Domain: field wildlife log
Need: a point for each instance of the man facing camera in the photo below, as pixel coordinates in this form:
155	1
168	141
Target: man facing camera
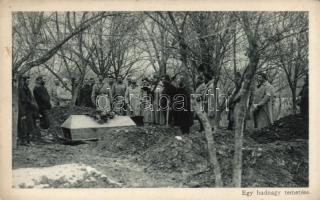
42	98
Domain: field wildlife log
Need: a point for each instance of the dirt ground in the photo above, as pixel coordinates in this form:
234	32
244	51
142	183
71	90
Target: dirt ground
153	156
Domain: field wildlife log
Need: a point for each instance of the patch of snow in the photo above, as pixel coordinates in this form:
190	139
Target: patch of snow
68	173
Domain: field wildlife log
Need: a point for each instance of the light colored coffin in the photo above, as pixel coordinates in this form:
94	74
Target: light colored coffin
83	127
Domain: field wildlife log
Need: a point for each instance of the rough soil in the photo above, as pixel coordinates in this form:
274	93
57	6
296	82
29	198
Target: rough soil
153	156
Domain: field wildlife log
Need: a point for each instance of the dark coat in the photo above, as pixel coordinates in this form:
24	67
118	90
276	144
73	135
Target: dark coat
27	112
85	96
118	89
183	116
169	91
42	97
304	103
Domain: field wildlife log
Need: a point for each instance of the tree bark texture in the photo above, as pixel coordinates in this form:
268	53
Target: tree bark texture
213	159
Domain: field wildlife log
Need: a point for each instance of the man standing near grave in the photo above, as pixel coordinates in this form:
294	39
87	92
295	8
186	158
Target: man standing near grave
118	93
146	101
85	93
42	98
27	112
111	82
102	88
182	105
132	99
168	93
200	92
159	114
262	102
234	100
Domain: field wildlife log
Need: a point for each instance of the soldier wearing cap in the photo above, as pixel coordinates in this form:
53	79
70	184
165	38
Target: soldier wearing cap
146	101
42	98
118	93
27	112
85	93
132	98
102	88
262	102
159	114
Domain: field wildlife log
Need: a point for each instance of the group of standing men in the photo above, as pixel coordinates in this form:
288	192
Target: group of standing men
260	104
151	102
158	100
161	100
34	109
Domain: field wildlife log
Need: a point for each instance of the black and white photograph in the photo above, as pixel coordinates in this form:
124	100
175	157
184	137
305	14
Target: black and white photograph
149	99
139	100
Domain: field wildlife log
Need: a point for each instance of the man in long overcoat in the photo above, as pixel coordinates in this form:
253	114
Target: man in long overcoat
27	113
42	98
263	102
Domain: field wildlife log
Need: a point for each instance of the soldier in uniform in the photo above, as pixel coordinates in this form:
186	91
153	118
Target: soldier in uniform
146	97
111	82
262	102
166	99
27	112
159	114
102	88
182	105
232	104
85	94
118	93
200	92
42	98
132	99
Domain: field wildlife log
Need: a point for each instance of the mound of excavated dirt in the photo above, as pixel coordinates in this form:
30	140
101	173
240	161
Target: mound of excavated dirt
158	147
162	151
278	164
262	167
273	156
284	129
176	154
133	140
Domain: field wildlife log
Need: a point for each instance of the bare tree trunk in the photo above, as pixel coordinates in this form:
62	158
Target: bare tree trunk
234	54
244	94
213	160
240	111
202	116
